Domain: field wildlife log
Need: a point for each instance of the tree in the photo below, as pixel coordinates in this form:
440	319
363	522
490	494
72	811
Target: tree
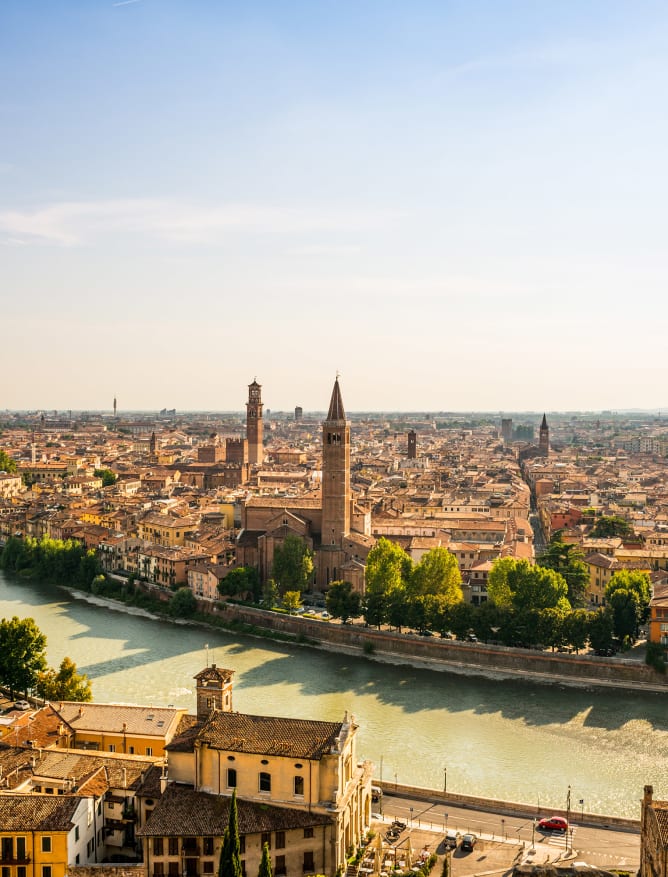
240	582
609	526
601	629
230	852
519	585
183	603
625	609
293	564
265	862
388	568
567	560
343	601
576	628
7	463
108	477
438	574
636	581
292	600
22	647
64	684
270	594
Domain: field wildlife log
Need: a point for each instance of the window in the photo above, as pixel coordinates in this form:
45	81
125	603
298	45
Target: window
265	781
132	750
309	867
112	747
279	867
157	846
299	787
46	870
6	872
173	869
7	848
158	869
76	832
20	848
231	778
207	867
46	844
173	846
207	846
308	832
280	840
149	750
242	843
265	839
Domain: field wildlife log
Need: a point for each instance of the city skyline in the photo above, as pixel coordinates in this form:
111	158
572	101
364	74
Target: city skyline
457	205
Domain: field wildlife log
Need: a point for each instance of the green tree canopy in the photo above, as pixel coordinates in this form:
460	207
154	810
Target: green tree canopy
7	463
636	581
240	582
609	526
388	568
292	600
576	628
522	586
625	609
230	852
293	565
270	594
108	477
438	574
64	684
183	603
601	629
22	647
265	862
567	560
343	601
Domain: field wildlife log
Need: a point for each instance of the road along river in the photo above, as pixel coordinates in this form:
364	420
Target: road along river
508	740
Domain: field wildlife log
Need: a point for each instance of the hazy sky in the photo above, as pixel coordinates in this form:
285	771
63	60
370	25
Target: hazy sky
458	205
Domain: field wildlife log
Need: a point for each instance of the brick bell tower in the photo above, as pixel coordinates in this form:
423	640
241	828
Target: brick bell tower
335	472
214	691
544	439
254	428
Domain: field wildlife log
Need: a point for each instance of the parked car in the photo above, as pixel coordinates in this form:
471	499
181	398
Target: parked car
22	705
468	842
553	823
451	839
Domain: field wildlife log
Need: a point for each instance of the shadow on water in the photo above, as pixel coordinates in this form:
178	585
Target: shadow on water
144	641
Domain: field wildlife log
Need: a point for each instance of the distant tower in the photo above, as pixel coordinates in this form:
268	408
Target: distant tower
412	444
153	445
254	423
299	412
214	691
335	472
114	406
507	429
544	439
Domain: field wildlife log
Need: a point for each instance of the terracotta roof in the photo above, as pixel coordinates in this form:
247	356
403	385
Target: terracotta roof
138	720
183	811
37	812
295	738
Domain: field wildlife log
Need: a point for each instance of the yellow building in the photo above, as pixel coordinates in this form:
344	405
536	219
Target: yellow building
300	788
166	530
41	835
653	836
129	730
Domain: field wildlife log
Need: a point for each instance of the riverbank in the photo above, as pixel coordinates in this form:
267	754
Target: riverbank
429	653
495	662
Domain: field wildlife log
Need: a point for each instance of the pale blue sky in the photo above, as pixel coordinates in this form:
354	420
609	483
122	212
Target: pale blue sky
458	205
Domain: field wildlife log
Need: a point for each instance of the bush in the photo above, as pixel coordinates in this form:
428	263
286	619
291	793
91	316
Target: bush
654	657
369	648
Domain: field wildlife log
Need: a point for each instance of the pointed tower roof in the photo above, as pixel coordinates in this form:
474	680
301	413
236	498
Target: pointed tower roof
544	423
336	411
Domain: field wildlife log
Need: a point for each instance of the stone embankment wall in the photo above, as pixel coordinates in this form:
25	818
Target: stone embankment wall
109	870
506	808
450	655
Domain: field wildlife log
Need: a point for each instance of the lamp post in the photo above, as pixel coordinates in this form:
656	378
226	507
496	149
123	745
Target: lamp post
411	809
503	828
568	819
445	780
582	807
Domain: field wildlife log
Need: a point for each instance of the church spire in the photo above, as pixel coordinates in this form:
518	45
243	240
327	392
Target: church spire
544	423
336	411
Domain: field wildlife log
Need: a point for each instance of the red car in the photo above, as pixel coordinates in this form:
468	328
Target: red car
554	823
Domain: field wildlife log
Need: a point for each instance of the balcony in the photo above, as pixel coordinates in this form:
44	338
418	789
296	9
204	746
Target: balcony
23	859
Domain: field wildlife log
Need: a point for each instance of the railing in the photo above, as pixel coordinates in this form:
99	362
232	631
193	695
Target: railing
15	860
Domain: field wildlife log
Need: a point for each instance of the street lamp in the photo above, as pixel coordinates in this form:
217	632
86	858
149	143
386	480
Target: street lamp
411	809
568	819
503	828
582	807
445	780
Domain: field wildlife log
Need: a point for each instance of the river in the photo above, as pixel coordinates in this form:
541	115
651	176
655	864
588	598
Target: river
511	740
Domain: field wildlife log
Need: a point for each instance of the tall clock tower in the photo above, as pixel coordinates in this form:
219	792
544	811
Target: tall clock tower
254	428
335	472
